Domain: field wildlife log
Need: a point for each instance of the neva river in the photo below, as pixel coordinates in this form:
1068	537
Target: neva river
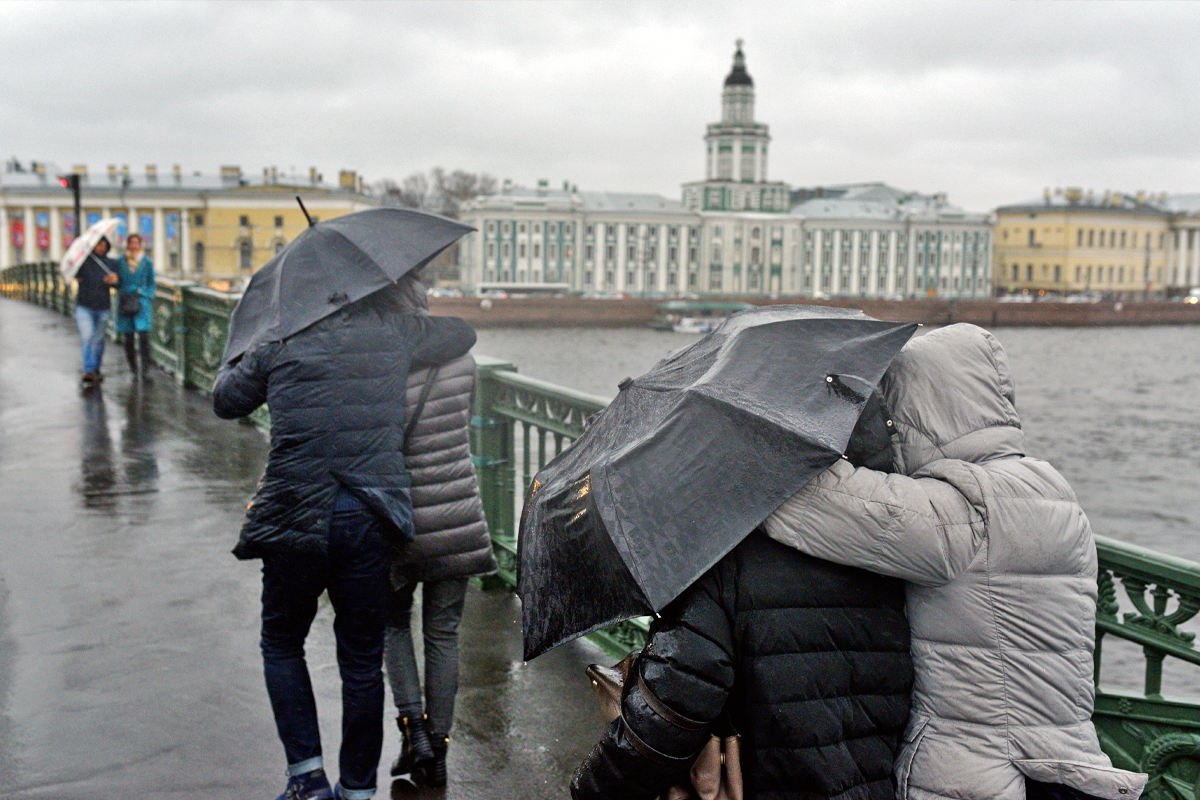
1116	410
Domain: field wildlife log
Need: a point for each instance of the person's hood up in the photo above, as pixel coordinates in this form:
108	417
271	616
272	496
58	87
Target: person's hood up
951	395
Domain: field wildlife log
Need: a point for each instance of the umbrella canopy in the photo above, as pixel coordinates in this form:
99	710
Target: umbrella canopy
688	459
82	247
333	264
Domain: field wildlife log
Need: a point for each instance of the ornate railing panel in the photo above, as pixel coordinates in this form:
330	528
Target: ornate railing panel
1146	599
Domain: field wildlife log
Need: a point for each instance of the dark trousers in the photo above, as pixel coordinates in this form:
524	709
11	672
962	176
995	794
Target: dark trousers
354	572
441	613
143	346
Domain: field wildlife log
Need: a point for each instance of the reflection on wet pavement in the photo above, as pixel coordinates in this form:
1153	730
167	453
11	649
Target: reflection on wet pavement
129	662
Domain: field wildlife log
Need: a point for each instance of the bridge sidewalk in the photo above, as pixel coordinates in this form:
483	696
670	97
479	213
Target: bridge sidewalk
129	662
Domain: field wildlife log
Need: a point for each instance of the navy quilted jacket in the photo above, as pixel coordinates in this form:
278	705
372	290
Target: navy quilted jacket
808	658
337	397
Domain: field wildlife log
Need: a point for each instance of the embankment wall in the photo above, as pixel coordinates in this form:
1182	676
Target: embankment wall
595	313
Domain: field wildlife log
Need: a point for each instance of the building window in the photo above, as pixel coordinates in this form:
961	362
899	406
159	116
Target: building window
1057	273
537	250
491	227
610	252
716	256
552	251
632	253
691	279
1079	238
590	230
506	250
537	228
610	230
244	221
566	229
671	279
630	278
631	230
1091	238
1121	275
587	277
1016	270
521	250
1078	273
198	220
198	260
651	253
673	254
1029	272
589	251
693	255
521	228
278	222
505	227
245	254
1122	238
650	279
491	250
714	280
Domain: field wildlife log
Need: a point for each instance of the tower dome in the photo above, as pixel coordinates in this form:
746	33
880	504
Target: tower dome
738	75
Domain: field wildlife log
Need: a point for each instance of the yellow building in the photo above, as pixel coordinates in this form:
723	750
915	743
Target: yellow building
208	228
1080	243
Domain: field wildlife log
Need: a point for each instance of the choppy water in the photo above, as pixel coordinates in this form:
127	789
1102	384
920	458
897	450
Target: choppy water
1116	410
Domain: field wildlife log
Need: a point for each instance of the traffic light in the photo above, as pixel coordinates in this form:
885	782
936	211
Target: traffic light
71	183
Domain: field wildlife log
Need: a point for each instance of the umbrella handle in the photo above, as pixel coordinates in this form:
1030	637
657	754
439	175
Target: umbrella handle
305	210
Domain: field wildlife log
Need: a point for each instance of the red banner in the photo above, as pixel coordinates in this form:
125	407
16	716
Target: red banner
17	233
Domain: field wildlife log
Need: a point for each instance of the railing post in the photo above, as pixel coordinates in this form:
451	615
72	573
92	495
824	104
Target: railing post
179	305
492	448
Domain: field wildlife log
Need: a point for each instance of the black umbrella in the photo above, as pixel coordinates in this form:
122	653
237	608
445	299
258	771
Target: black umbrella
688	459
332	264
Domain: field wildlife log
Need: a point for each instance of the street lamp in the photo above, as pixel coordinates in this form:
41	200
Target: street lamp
71	183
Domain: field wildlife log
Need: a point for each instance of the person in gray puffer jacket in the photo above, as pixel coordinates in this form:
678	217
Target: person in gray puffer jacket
1002	608
451	544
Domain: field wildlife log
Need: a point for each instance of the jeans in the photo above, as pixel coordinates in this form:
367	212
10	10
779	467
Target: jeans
441	613
354	572
92	325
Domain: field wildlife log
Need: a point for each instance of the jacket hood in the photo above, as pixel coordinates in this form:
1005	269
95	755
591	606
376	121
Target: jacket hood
951	395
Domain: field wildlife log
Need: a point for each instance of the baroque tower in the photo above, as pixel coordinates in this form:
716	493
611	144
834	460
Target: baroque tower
736	154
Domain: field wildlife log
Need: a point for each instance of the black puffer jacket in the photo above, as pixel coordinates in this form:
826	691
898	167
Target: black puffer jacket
337	397
809	658
451	532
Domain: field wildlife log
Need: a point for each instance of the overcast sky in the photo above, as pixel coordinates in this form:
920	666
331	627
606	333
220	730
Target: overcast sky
988	101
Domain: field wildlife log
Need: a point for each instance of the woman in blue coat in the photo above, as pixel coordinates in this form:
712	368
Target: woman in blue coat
137	279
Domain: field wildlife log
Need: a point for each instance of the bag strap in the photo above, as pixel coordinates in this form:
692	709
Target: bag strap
660	708
416	414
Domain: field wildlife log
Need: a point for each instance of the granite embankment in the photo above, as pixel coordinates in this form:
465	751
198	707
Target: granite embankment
580	312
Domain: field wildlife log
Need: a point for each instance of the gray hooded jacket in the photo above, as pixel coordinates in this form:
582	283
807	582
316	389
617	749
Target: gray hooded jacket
1001	571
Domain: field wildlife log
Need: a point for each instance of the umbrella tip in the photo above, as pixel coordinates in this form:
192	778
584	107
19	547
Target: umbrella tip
307	216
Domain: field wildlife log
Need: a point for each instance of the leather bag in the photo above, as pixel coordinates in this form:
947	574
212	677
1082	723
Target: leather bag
129	304
716	772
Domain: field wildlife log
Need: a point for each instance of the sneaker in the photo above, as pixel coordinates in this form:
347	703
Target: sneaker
309	786
414	745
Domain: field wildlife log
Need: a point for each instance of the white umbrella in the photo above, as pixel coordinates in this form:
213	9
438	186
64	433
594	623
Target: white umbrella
82	247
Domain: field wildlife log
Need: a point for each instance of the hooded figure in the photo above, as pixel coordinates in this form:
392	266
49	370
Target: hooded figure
1001	589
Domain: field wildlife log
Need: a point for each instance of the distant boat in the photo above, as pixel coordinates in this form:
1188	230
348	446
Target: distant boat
694	316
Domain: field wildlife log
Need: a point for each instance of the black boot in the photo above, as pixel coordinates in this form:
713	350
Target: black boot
432	773
414	746
144	351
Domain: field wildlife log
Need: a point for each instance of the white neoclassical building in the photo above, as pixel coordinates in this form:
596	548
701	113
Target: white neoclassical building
735	232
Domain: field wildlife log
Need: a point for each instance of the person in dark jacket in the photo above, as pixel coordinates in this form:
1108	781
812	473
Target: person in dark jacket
808	661
93	303
451	544
334	494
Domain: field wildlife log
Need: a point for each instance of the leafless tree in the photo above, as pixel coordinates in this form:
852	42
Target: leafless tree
439	192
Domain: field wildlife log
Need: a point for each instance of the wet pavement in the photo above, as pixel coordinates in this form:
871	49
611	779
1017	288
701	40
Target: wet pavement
129	663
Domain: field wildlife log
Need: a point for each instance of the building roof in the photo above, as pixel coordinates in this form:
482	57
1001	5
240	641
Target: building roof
738	75
519	197
878	202
1187	204
230	180
1108	202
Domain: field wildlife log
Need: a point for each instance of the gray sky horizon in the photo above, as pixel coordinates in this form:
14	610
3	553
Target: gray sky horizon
987	101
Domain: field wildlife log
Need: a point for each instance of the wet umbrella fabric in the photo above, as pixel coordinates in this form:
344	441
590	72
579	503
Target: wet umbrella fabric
688	459
332	264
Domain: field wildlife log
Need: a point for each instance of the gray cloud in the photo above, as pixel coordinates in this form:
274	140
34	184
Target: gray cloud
988	101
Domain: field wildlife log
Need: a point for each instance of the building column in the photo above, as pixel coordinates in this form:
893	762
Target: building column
1176	244
160	241
30	253
185	241
5	238
56	248
1194	269
855	246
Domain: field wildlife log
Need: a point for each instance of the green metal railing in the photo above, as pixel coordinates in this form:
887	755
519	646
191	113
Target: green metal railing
1147	600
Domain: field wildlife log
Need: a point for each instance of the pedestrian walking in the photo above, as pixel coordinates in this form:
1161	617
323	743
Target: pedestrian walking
96	277
135	305
450	545
335	493
1001	591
